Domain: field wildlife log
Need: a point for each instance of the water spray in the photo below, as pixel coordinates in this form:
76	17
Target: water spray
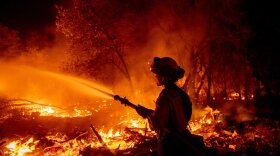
95	88
115	97
77	84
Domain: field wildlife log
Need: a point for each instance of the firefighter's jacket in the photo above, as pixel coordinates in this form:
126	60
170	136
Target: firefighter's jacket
169	112
170	120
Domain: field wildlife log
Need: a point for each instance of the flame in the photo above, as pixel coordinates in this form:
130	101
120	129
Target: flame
207	117
114	139
12	145
16	148
47	111
122	136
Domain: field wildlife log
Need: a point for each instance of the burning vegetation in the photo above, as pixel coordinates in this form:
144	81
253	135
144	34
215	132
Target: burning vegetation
33	132
52	103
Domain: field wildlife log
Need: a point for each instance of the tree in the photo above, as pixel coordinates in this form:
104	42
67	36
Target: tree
228	35
218	61
95	45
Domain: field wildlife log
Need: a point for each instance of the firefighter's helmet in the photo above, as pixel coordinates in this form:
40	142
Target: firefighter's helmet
167	67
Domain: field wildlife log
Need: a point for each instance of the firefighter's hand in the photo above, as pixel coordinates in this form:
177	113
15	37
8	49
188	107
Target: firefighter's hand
144	112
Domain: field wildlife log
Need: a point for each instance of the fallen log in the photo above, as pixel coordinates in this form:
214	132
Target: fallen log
97	134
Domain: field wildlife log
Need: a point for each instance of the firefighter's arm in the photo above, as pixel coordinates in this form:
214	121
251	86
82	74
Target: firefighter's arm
143	111
159	117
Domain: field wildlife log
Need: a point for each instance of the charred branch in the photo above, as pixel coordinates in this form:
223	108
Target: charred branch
97	134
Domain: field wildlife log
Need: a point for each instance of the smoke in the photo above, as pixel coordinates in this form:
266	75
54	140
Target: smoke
146	28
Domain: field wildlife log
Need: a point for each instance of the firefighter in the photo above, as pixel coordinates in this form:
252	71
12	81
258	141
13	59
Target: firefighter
173	111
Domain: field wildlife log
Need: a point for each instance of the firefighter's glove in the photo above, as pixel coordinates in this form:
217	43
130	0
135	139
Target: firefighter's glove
144	112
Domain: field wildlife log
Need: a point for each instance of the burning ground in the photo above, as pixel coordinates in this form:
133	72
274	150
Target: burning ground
41	130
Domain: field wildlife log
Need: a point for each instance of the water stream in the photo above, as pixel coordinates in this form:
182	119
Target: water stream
42	86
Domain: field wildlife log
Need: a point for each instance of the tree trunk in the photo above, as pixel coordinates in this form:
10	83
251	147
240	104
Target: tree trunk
201	82
246	89
209	79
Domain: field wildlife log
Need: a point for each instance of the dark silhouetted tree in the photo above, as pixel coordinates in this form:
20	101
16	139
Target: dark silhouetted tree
218	62
95	46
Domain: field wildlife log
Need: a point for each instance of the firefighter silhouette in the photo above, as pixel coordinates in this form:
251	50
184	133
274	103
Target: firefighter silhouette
172	112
